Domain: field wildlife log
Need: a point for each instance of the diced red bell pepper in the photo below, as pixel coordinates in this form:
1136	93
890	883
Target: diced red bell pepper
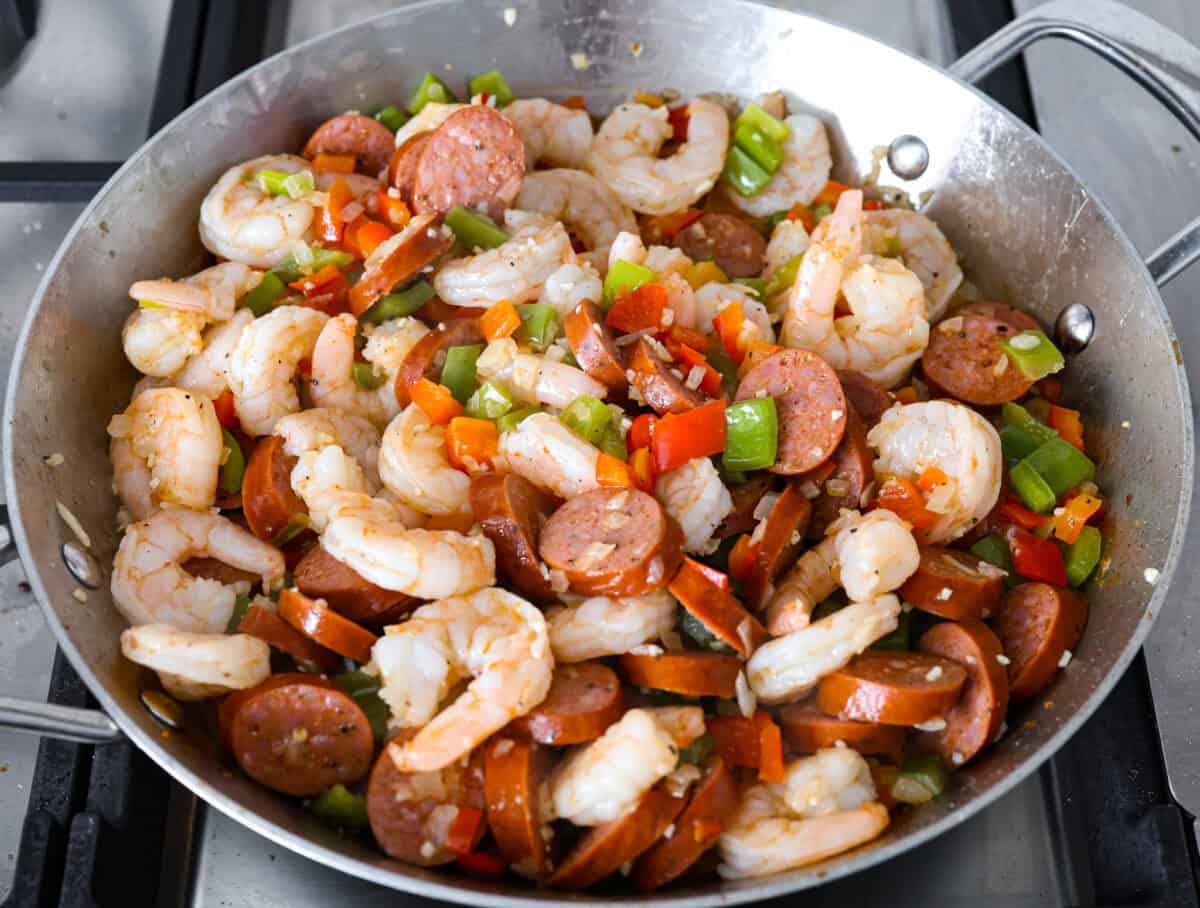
711	575
678	118
370	234
1036	559
483	864
829	194
743	558
1051	388
394	210
226	412
329	218
575	102
680	437
710	383
1017	513
874	205
667	225
642	430
327	290
802	213
736	739
461	836
903	498
678	334
640	310
770	748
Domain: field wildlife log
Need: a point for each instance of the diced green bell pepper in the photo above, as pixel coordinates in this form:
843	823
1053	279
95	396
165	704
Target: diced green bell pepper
391	116
993	549
339	806
1034	353
1062	465
229	477
612	442
820	212
491	83
473	229
490	401
1013	414
1017	443
398	305
698	751
762	149
751	434
693	628
623	278
294	528
784	277
150	304
431	89
1034	492
289	270
262	298
587	417
753	115
458	373
539	324
510	420
756	285
1081	556
366	376
922	779
364	689
892	248
240	605
743	173
280	182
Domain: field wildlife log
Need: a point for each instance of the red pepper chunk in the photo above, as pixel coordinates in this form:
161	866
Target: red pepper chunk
327	290
1036	559
226	412
680	437
482	864
710	383
640	310
329	218
730	324
460	837
903	498
641	431
1019	514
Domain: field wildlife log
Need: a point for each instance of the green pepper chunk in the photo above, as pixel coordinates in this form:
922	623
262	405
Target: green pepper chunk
539	324
364	689
743	173
458	373
294	528
587	417
623	278
366	376
922	779
693	628
612	442
762	149
1082	556
229	477
820	212
510	420
892	248
1062	465
262	298
290	270
391	116
1034	353
784	277
900	638
340	807
1017	443
993	549
474	229
398	305
1013	414
150	304
698	751
240	605
756	285
279	182
431	89
751	434
1034	492
490	401
335	257
491	83
753	115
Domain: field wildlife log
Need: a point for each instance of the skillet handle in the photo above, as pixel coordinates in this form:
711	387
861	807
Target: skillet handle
1155	57
50	720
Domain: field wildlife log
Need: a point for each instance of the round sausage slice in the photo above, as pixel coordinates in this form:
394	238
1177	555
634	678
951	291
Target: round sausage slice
806	730
894	688
613	542
716	608
605	848
778	543
972	723
403	808
660	388
584	699
810	405
869	399
736	247
274	631
512	510
475	159
850	472
690	673
320	623
954	584
364	137
297	734
398	258
402	168
964	357
711	805
321	576
1036	624
428	355
594	347
268	502
514	772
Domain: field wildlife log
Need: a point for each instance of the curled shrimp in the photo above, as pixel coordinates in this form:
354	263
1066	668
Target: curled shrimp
387	347
603	626
213	292
787	667
264	362
332	382
515	271
588	208
569	285
956	440
534	378
923	249
493	637
662	260
814	577
207	372
553	134
312	430
415	468
159	342
551	456
176	434
198	666
131	479
241	222
624	155
824	806
802	173
694	495
333	484
150	586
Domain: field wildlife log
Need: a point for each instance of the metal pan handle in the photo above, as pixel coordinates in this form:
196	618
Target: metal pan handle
1155	57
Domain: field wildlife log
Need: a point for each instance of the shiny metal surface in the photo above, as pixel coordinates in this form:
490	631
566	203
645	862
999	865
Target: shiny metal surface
52	721
908	157
1074	328
82	565
1027	229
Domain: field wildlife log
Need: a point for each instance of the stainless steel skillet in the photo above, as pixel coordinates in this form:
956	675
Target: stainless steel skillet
1029	233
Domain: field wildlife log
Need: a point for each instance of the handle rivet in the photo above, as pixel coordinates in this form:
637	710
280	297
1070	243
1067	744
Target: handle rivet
163	708
82	565
908	157
1074	328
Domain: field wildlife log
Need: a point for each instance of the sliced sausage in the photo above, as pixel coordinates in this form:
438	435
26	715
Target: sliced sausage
268	502
594	346
402	167
810	405
437	312
746	496
895	688
806	730
475	159
711	805
212	569
512	510
613	542
364	137
320	623
736	247
869	399
954	584
297	734
690	673
660	388
717	609
1036	624
428	355
584	699
514	772
964	357
403	807
973	722
273	630
321	576
398	258
605	848
778	543
845	476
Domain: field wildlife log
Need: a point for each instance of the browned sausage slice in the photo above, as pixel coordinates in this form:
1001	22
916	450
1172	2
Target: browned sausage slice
972	723
954	584
1036	624
850	471
868	398
745	496
428	355
514	772
321	576
512	510
717	609
810	405
402	168
613	541
894	688
298	734
398	258
778	543
475	159
401	807
964	357
660	388
736	247
212	569
691	673
437	311
268	502
584	699
605	848
594	346
710	806
364	137
806	730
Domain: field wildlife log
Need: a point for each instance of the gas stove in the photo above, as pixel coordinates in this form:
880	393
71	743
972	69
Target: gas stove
82	85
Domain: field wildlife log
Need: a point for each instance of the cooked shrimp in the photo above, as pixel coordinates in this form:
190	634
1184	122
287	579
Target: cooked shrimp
624	155
787	667
801	175
553	134
387	347
662	260
831	780
923	249
788	240
241	222
431	116
207	372
177	435
694	495
149	585
569	285
332	382
876	551
515	271
960	443
213	292
713	297
333	484
534	378
603	626
158	342
551	456
198	666
312	430
814	577
415	468
264	362
589	209
492	636
131	479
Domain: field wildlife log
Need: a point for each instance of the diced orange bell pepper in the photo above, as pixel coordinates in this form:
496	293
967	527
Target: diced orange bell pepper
667	225
575	102
639	310
611	471
743	558
226	413
930	479
394	210
1072	517
1051	388
329	217
829	194
874	205
326	290
1067	423
906	395
370	234
802	213
334	163
710	381
770	748
680	437
500	320
350	236
679	334
903	498
730	324
435	401
1017	513
463	831
641	468
641	431
471	444
756	352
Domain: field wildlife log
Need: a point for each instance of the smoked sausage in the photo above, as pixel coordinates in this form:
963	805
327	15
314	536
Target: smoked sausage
398	258
428	355
778	543
746	496
716	608
954	584
320	623
691	673
806	730
593	344
844	478
964	357
894	688
353	134
321	576
661	389
1037	623
736	247
402	167
512	510
869	399
475	159
268	502
514	772
584	699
